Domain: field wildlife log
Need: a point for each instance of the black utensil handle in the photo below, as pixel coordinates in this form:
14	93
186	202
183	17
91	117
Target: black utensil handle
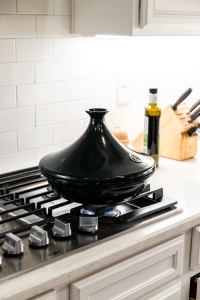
182	97
195	115
194	106
193	130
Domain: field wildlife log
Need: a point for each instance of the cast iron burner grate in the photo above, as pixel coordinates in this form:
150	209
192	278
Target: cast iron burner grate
129	210
18	191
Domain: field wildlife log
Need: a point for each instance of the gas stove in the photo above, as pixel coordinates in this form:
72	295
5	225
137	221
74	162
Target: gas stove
38	227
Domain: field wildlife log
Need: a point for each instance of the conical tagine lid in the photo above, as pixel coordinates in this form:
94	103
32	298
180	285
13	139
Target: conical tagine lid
97	157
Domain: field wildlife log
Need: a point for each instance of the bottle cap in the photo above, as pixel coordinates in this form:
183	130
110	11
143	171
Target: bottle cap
153	91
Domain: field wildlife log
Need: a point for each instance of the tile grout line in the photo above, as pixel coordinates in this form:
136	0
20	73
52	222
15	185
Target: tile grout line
17	141
35	26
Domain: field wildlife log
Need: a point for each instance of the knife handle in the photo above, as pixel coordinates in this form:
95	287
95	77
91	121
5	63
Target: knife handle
194	106
195	115
182	97
193	130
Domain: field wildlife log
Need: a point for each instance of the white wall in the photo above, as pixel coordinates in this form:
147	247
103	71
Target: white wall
48	79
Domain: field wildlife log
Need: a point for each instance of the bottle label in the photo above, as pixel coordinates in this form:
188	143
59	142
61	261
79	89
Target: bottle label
146	128
152	98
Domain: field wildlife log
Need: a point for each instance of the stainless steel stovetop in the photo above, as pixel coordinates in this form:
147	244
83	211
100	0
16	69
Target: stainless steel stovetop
38	227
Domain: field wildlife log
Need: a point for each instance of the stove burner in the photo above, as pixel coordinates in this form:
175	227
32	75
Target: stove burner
50	195
108	212
113	212
89	211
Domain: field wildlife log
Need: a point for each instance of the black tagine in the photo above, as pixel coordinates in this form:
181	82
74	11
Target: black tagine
97	168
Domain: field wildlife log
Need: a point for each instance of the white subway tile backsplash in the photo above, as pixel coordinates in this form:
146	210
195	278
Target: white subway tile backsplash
95	87
34	94
125	47
69	90
109	121
54	70
67	131
35	6
7	6
129	122
34	138
33	49
18	118
7	97
92	67
110	103
17	26
83	47
78	108
40	152
62	7
7	50
17	161
51	114
8	142
16	73
54	94
120	120
100	47
53	26
69	48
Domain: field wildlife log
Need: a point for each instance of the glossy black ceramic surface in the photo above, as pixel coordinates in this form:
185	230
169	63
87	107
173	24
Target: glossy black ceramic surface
97	168
96	194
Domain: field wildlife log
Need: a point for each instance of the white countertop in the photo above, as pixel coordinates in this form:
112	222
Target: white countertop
180	180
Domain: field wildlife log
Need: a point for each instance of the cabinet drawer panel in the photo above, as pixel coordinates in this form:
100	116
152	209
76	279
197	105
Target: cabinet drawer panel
172	293
133	277
195	252
177	7
178	14
141	278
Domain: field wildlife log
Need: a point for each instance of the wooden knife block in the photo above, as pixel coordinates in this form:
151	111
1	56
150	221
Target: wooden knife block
175	143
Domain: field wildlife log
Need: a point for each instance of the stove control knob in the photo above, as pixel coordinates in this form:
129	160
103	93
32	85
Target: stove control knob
88	224
38	237
13	245
61	228
0	260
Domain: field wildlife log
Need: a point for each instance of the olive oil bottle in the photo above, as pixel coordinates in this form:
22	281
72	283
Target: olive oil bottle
151	127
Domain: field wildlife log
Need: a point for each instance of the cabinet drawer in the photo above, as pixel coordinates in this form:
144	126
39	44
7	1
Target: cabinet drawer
195	251
133	277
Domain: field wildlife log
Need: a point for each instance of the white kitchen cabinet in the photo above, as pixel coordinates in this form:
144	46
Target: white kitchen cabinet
134	277
172	17
114	17
135	17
